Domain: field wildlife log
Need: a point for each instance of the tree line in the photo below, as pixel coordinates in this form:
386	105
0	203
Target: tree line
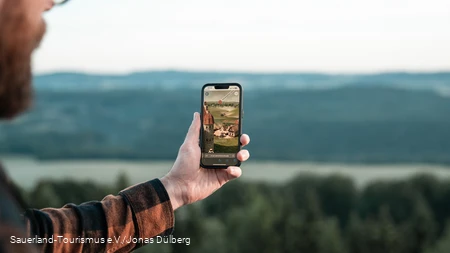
309	213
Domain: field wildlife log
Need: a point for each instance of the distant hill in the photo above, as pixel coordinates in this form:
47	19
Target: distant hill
439	81
357	123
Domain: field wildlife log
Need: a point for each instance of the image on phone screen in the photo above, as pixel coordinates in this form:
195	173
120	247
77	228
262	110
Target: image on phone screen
221	115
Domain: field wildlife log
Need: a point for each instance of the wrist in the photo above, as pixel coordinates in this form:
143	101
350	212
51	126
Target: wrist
174	190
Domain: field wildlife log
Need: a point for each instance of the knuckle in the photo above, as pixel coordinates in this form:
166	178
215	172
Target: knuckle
185	148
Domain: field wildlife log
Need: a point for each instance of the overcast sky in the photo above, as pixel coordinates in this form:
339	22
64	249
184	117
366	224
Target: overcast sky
345	36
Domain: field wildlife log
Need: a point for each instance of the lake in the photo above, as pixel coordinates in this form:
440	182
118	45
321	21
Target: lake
27	171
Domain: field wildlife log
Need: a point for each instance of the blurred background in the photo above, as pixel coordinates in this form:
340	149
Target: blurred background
347	104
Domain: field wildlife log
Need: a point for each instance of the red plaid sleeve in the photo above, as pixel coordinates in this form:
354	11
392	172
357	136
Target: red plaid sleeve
116	224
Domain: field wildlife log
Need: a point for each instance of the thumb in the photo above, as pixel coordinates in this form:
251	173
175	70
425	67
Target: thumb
228	174
233	172
193	134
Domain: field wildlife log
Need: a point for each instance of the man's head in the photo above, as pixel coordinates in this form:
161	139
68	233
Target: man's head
21	30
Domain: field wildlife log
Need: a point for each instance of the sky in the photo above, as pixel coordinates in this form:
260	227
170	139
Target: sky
345	36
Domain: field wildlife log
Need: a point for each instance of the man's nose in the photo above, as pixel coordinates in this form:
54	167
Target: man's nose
48	5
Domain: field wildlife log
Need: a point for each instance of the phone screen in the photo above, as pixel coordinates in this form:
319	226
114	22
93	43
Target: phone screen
221	124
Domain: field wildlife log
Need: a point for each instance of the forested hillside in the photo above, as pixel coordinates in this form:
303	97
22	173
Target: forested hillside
350	124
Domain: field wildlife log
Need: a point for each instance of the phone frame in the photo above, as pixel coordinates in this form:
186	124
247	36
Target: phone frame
241	112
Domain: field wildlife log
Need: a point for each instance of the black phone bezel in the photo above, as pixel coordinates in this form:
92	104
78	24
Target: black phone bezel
241	92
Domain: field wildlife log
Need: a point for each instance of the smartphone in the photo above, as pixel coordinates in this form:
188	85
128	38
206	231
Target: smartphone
221	117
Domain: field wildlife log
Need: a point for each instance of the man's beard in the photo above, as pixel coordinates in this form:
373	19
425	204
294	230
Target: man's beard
19	36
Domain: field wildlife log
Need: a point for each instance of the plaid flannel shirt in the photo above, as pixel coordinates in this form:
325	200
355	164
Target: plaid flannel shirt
119	223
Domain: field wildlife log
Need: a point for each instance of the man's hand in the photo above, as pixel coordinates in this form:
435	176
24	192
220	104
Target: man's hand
187	182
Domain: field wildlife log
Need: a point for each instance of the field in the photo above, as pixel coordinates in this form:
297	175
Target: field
224	145
27	171
231	114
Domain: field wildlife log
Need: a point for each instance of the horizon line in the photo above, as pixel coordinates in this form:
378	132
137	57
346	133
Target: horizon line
180	70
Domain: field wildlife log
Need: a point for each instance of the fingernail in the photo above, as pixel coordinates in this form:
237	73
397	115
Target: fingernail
193	116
